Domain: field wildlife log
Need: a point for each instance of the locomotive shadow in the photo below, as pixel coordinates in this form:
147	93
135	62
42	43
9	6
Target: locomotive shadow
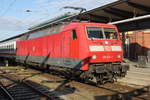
64	88
43	63
45	60
125	96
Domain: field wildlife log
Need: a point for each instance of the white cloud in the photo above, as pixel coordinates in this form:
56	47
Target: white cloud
47	10
54	6
57	4
11	24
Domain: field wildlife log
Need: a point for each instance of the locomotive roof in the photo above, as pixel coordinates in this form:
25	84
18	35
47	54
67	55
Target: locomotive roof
75	23
53	21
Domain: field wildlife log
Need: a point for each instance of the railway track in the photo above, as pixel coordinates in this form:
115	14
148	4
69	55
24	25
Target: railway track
13	87
4	93
72	90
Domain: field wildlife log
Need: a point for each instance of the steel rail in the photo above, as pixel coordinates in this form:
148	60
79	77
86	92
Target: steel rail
27	83
5	92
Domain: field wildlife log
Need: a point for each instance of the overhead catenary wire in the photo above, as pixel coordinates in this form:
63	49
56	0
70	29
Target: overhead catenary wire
8	8
1	5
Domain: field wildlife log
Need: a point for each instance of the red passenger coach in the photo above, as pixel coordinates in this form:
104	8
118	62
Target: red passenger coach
91	49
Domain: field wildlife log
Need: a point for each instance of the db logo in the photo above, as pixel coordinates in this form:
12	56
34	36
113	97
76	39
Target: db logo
107	57
107	48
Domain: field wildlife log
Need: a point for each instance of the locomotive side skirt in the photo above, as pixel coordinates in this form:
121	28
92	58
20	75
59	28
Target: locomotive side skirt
67	62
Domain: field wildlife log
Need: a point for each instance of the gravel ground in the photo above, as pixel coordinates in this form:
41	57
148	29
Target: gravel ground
72	90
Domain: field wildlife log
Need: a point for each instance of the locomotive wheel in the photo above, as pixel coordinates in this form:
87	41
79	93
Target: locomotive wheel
123	74
100	83
104	78
99	80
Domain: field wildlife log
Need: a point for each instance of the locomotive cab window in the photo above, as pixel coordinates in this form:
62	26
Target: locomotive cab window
101	33
95	33
74	35
110	33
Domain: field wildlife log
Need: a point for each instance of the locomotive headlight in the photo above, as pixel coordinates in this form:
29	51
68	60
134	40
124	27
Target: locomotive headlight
118	56
106	42
94	57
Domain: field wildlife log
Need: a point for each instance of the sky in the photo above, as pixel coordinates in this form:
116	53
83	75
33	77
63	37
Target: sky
15	20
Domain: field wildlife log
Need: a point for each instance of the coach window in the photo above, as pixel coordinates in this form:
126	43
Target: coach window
74	35
12	46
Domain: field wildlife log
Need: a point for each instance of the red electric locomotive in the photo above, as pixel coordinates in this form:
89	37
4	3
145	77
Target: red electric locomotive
89	50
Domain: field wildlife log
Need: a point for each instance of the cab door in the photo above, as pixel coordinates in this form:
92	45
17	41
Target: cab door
74	44
66	44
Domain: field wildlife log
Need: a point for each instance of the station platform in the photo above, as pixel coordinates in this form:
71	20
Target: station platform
137	75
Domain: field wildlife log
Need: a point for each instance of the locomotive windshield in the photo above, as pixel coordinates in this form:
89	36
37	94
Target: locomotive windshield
101	33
